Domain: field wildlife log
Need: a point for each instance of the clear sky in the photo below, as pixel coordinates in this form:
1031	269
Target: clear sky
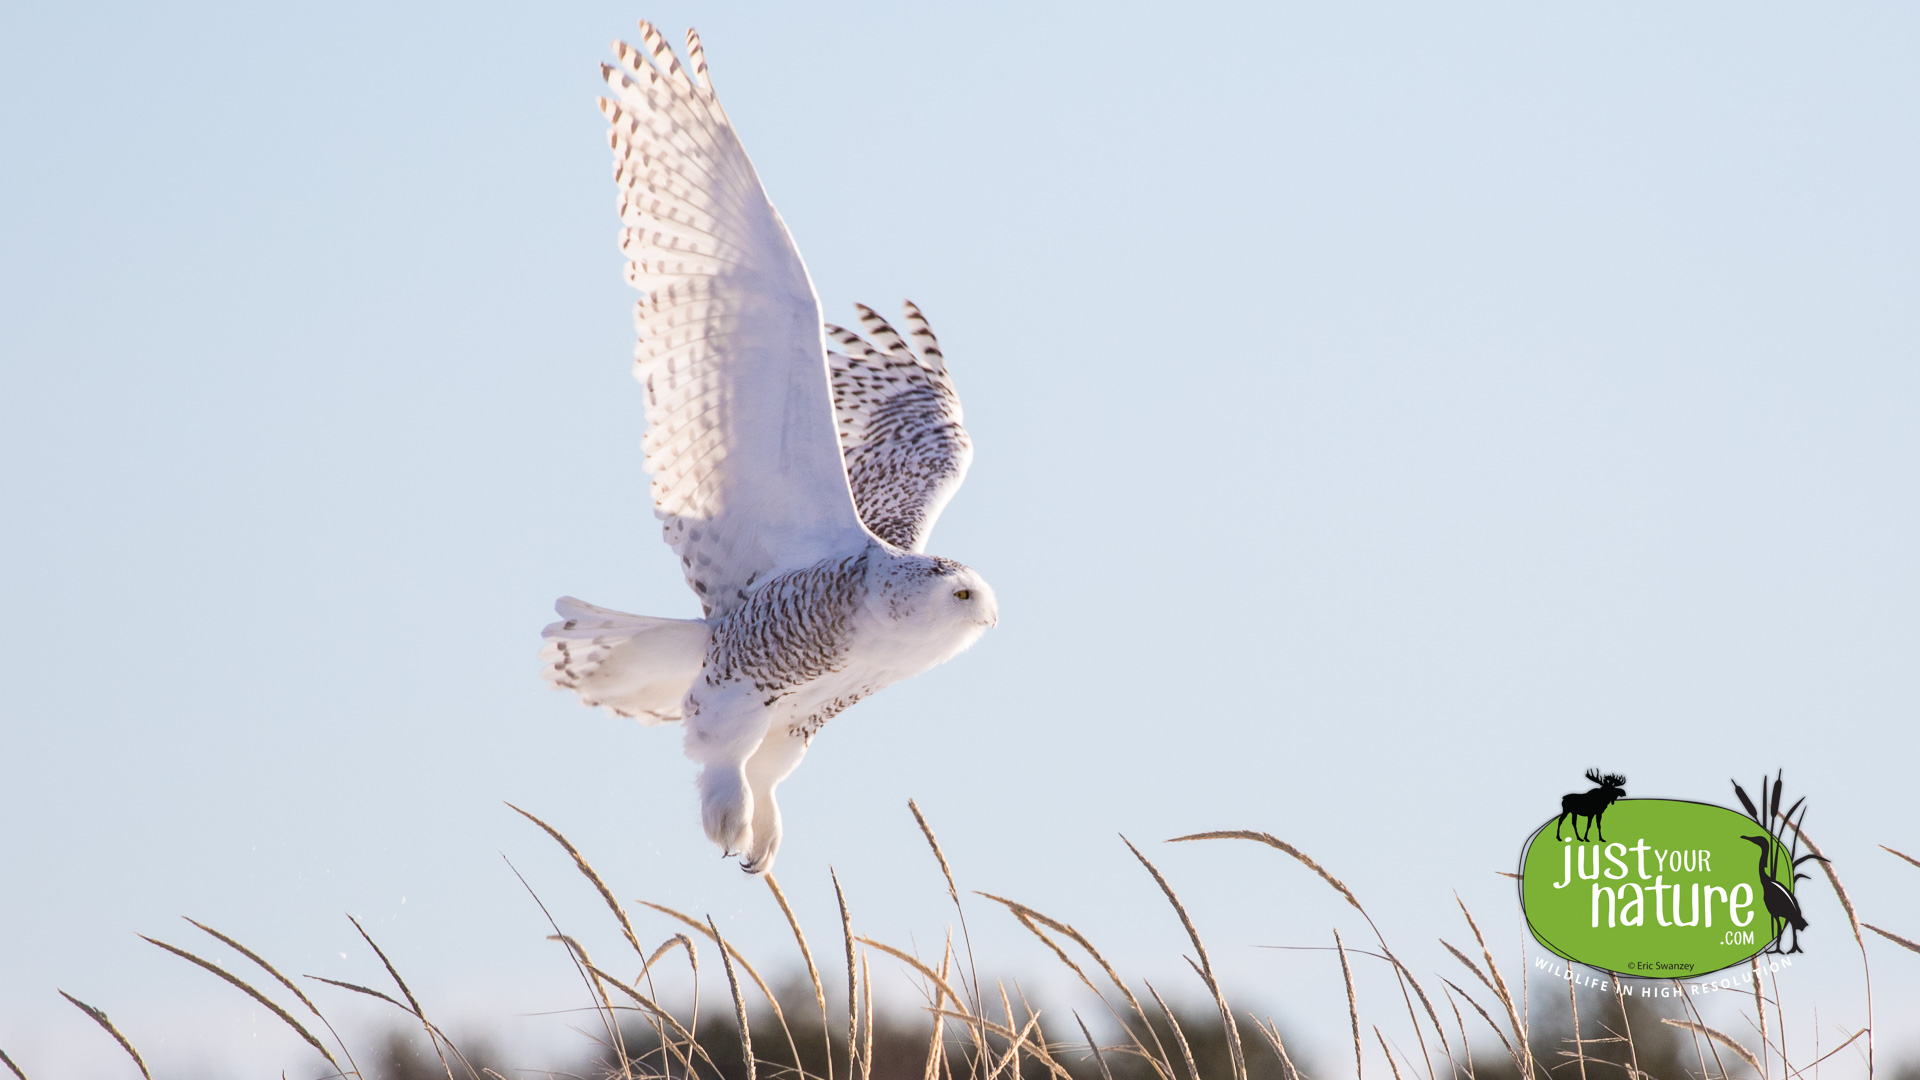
1384	413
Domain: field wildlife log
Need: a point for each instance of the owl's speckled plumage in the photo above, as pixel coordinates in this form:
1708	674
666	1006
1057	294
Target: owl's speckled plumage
797	486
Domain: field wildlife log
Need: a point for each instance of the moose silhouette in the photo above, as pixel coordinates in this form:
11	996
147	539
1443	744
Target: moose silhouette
1591	804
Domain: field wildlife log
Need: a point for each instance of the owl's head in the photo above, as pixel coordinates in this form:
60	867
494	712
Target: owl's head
941	605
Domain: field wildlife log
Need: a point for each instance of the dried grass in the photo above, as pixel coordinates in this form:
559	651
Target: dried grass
101	1019
1015	1044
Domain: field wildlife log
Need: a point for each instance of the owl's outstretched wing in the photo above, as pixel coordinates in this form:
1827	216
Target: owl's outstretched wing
900	426
747	472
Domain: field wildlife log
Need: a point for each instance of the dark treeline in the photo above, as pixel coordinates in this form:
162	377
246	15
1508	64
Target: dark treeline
1614	1044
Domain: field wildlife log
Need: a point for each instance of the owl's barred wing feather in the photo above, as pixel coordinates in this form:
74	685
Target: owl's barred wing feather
747	475
900	427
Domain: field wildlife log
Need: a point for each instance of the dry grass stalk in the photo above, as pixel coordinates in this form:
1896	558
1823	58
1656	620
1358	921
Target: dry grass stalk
972	980
586	868
1460	1023
819	992
1579	1048
1760	1010
1720	1037
1179	1033
607	1015
866	983
1339	886
1100	1059
1272	1034
1484	1015
1853	920
1523	1050
662	1016
1893	937
1851	1039
1687	1006
1010	1061
682	940
1278	845
1353	1005
1470	966
411	1000
1205	966
1156	1062
101	1019
937	1046
730	955
367	990
286	982
739	1000
1028	917
938	979
256	995
1021	1037
434	1034
1389	1054
853	980
945	870
256	958
11	1067
1901	854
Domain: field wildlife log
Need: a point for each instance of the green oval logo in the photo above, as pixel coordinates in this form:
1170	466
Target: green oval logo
1657	888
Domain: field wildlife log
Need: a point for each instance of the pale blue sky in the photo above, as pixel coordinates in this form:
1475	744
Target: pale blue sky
1384	412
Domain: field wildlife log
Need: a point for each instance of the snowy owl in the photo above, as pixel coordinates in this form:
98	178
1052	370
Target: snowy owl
797	484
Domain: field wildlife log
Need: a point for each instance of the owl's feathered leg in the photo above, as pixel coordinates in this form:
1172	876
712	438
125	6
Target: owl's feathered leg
779	754
722	738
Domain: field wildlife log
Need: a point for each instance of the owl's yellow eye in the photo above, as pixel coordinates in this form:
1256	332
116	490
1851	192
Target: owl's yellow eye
963	594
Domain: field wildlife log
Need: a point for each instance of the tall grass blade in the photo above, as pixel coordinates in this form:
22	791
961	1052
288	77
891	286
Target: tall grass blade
1028	917
972	979
853	981
1205	966
1099	1058
813	972
101	1019
1500	991
739	1001
11	1067
1893	937
1388	1053
933	976
1488	1017
236	981
1179	1033
411	1000
1853	920
779	1015
1272	1034
1901	854
1353	1005
586	868
607	1015
1720	1037
1339	886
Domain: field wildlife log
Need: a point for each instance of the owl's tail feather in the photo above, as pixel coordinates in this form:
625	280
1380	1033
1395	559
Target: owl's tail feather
635	666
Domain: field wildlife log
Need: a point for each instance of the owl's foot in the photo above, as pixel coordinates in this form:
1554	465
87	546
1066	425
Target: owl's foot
726	808
765	842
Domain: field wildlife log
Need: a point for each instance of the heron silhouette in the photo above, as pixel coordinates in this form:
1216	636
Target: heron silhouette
1779	899
1781	905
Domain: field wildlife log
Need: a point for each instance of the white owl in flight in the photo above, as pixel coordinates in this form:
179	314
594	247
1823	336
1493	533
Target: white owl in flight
796	484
